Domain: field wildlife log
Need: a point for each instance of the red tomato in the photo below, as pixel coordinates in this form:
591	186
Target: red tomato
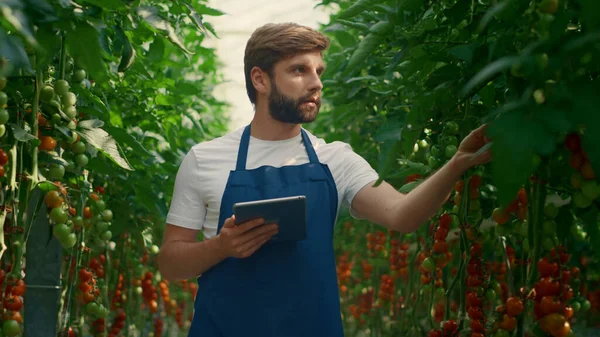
547	268
477	326
450	327
445	221
514	306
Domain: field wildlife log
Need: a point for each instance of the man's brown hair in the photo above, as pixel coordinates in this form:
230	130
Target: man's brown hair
274	42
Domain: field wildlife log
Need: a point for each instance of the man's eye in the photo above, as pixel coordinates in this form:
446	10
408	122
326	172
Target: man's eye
299	70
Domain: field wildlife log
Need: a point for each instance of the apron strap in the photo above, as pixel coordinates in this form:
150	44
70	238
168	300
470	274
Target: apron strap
245	142
243	150
312	155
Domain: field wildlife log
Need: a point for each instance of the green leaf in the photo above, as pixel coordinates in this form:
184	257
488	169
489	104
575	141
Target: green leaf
20	22
387	159
123	137
91	124
564	220
366	47
20	134
515	139
111	5
164	100
151	16
83	44
406	188
488	95
585	113
590	10
491	13
203	9
357	8
463	52
391	130
356	25
556	120
157	50
104	143
47	186
489	72
129	53
196	18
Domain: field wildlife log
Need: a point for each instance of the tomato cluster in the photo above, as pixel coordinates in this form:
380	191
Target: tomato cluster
117	298
364	307
399	259
553	293
4	115
3	161
13	303
158	326
376	242
344	271
474	293
149	292
118	323
583	180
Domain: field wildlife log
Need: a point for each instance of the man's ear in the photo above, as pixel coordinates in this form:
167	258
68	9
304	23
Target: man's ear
260	80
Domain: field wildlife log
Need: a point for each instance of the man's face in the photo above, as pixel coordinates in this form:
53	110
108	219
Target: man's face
295	95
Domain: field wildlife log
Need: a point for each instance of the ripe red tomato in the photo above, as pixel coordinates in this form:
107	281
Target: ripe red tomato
475	181
441	233
475	313
550	305
440	246
573	142
3	157
14	303
450	327
508	323
435	333
445	221
477	325
18	288
474	300
514	306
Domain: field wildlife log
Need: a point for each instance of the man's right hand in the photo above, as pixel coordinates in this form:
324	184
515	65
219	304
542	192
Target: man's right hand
242	241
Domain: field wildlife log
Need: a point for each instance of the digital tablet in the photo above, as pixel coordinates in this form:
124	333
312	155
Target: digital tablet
289	213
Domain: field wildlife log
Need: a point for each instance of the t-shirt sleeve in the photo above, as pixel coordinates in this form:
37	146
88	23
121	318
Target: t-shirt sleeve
357	173
187	208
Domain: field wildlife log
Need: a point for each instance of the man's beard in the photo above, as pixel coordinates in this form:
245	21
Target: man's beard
288	110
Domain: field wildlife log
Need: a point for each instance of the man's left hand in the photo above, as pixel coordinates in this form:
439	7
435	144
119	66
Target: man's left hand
467	155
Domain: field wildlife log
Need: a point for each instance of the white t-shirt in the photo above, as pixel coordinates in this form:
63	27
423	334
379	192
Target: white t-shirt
202	176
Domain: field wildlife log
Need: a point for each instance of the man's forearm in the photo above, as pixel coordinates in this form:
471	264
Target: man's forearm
425	200
180	260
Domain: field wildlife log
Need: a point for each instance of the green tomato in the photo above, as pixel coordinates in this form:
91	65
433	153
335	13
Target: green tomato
585	306
3	98
536	161
11	328
154	249
107	235
547	244
69	241
440	293
450	151
101	206
87	223
451	141
589	188
79	75
4	116
435	151
434	162
429	265
73	139
107	215
78	148
474	205
101	226
57	172
2	82
78	221
91	308
61	231
81	160
69	99
576	306
71	112
56	119
47	93
61	87
490	295
551	210
526	246
58	215
549	227
72	125
452	128
580	200
3	131
578	233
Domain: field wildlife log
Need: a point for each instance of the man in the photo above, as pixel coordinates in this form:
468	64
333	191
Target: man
247	288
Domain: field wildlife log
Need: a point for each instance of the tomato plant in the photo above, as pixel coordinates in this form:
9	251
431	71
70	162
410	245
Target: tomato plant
406	82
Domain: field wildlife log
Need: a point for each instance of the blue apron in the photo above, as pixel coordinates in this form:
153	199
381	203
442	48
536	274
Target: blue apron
285	289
